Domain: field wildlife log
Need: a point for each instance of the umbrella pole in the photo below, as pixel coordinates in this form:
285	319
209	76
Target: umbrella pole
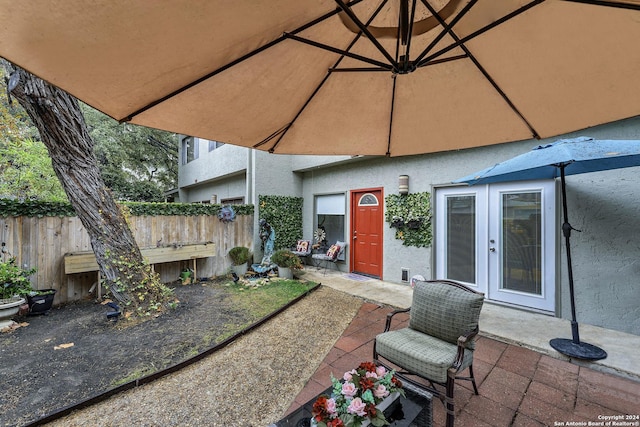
573	348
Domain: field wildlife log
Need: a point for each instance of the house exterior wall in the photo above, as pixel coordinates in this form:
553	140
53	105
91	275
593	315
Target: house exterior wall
604	205
221	172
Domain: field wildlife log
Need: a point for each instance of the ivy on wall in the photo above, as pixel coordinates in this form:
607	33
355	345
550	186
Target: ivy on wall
410	215
33	208
284	214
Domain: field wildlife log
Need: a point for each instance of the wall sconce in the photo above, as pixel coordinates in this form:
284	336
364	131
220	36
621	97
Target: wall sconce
403	184
214	199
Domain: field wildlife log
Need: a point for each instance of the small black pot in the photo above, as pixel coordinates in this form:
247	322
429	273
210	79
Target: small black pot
41	304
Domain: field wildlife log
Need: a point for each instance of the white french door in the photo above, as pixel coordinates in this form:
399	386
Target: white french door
500	240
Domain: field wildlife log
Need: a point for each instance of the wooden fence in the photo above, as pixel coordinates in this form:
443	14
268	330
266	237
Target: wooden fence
43	242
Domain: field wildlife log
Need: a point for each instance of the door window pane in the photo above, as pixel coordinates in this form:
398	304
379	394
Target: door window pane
461	237
522	242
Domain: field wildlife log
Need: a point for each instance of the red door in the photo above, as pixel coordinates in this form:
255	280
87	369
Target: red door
366	232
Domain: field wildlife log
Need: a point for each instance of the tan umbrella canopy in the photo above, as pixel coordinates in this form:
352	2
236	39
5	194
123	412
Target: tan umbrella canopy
370	77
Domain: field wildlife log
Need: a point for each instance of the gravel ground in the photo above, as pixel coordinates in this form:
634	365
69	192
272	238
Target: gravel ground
250	383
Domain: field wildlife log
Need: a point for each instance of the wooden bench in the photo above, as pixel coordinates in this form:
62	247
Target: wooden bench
83	262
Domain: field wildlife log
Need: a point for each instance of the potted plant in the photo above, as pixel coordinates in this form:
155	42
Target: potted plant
286	262
240	256
40	301
14	286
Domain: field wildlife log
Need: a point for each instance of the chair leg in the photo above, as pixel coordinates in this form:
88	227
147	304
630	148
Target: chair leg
449	403
473	380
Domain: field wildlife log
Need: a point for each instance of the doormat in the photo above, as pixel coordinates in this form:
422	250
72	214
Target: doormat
357	277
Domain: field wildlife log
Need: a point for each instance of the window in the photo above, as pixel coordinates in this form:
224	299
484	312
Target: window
368	199
189	149
330	213
232	201
215	144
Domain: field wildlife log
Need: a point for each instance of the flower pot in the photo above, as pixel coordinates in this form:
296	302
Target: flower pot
414	224
285	273
8	308
240	270
41	304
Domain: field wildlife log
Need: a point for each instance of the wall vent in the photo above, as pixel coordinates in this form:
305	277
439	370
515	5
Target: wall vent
405	275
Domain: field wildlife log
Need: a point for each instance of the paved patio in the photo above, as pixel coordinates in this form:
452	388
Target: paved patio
518	386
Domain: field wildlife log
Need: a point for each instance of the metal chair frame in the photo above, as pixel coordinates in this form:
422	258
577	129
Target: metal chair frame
447	398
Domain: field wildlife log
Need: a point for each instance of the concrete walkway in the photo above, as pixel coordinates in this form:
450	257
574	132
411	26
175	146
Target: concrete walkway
522	381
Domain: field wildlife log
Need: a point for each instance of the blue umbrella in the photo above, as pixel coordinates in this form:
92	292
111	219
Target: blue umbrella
561	158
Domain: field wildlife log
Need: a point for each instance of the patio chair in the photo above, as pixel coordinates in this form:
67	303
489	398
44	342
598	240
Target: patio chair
303	250
439	342
331	256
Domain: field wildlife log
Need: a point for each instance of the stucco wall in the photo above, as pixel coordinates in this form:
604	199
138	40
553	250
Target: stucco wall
605	205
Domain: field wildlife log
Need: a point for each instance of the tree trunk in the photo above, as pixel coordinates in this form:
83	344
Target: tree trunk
63	130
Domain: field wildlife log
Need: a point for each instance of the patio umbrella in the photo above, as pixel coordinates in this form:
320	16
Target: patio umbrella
360	77
564	157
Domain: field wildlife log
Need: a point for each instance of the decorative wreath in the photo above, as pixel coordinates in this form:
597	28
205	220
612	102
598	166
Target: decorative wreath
319	235
227	214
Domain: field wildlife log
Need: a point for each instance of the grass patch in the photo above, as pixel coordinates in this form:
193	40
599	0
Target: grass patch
269	296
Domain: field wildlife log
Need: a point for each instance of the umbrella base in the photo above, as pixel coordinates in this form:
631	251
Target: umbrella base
578	350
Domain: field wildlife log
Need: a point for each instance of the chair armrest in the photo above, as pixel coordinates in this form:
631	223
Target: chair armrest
387	326
462	342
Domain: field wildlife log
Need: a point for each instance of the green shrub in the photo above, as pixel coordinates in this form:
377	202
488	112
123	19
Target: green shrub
239	255
14	280
286	259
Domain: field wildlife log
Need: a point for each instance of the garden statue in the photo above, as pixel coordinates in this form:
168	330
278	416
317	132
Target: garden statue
268	237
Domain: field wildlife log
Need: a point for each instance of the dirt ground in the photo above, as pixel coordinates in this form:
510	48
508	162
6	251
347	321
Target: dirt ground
74	352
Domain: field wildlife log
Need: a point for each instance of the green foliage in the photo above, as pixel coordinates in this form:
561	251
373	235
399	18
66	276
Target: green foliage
410	215
286	259
26	171
14	280
284	214
136	162
34	208
239	255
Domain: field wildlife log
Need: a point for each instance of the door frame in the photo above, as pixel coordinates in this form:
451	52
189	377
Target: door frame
485	219
353	207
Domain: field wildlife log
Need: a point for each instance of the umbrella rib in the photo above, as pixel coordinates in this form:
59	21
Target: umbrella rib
347	10
393	103
479	32
345	52
481	68
444	31
387	67
243	58
284	130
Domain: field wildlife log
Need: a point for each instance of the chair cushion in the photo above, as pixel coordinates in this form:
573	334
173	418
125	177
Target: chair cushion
302	246
419	353
444	311
333	252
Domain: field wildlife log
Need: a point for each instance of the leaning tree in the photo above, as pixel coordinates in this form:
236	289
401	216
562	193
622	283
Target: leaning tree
63	130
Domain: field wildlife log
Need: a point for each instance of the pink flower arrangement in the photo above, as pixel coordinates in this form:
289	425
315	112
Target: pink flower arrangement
354	398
